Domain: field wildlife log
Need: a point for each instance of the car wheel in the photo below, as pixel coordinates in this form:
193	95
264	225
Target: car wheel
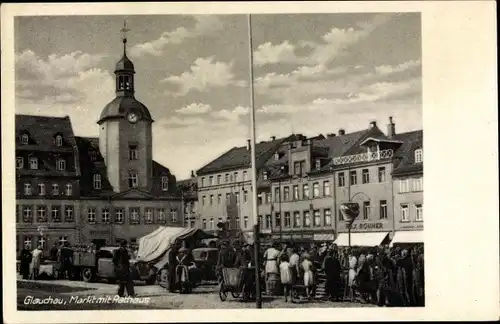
87	274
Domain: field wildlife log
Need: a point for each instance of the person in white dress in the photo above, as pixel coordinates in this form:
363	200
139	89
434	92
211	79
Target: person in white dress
307	266
271	256
353	263
36	261
286	275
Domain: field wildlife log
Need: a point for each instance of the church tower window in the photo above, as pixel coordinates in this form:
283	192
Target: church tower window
133	179
133	152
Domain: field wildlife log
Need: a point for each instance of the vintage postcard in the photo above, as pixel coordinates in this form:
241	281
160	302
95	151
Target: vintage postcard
225	159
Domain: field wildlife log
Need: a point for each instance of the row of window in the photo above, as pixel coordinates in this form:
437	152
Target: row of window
133	181
58	140
305	194
235	196
28	189
32	241
150	216
365	177
57	214
34	165
418	211
228	178
411	185
366	212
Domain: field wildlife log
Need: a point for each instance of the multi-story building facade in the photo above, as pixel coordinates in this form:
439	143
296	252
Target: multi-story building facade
302	183
100	190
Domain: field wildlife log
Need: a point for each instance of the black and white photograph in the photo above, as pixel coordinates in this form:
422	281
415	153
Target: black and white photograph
219	161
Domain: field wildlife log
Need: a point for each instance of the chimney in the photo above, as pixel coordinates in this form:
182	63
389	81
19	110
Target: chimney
391	128
341	131
330	135
373	124
248	145
192	174
273	138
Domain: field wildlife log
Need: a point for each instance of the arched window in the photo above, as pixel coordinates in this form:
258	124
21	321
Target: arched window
97	181
59	140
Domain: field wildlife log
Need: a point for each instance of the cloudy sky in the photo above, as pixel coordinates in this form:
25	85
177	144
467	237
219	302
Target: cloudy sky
313	74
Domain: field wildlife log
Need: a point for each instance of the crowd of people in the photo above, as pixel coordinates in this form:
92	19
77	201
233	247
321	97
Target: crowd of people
385	276
30	261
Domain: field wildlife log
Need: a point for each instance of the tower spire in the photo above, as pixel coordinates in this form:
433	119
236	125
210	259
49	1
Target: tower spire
124	31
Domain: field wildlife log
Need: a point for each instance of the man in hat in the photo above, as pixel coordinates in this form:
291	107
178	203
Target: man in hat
121	261
184	260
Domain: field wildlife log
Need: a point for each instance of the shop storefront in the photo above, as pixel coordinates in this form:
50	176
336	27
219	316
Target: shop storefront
365	233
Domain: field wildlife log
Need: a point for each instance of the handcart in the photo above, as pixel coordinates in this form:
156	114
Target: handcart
237	282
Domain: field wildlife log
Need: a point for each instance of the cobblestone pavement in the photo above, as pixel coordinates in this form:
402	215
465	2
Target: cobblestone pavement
203	297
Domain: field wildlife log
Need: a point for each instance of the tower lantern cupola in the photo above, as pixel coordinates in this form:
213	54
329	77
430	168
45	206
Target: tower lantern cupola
124	70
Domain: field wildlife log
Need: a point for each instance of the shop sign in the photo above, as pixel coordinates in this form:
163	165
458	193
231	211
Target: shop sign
366	226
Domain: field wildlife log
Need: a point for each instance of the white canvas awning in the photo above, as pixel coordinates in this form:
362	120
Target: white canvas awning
408	237
323	237
361	239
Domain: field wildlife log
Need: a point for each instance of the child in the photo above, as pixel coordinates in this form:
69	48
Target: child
286	275
307	266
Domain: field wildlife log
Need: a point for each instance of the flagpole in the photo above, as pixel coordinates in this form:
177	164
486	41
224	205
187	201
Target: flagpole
258	296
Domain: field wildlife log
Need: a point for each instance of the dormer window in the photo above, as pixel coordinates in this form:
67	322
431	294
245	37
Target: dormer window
97	183
276	156
164	183
419	155
61	165
264	175
59	140
33	163
318	164
24	139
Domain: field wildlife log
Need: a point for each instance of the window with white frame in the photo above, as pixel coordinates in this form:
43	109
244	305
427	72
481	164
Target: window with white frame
24	139
211	181
419	212
245	176
307	218
264	175
219	179
91	216
211	200
226	178
148	216
341	179
97	181
203	200
353	177
277	219
41	213
269	221
381	174
134	215
61	164
383	209
63	240
173	215
27	214
238	224
296	219
245	196
366	210
204	223
288	220
404	185
286	193
68	214
19	162
405	213
202	184
27	242
41	189
27	189
419	156
33	163
365	176
417	184
245	222
164	183
55	212
305	191
237	195
161	215
277	194
317	218
119	215
212	225
328	217
69	189
133	179
318	164
236	177
315	190
55	189
268	197
295	192
59	140
219	199
326	188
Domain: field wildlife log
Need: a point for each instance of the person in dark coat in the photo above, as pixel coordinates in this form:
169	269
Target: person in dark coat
331	266
25	257
172	265
54	252
227	258
66	260
121	261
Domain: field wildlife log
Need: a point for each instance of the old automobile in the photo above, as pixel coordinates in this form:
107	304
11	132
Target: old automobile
205	259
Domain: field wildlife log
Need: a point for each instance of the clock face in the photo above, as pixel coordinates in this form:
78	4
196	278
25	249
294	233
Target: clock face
132	117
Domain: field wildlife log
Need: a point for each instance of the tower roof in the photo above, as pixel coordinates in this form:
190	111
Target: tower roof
125	64
121	106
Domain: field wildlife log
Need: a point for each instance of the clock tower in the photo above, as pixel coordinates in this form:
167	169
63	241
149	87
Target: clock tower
125	132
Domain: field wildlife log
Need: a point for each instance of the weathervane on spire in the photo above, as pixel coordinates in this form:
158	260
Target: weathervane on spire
124	31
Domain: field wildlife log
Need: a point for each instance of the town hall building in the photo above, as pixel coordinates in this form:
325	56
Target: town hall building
99	190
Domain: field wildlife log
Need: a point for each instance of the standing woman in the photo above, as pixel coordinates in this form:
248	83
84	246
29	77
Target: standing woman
272	272
36	261
353	263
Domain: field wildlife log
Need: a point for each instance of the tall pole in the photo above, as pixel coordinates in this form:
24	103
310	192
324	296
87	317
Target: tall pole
279	206
349	193
258	299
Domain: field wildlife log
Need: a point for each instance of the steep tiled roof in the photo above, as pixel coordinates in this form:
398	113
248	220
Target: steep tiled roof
239	157
42	131
92	162
405	155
